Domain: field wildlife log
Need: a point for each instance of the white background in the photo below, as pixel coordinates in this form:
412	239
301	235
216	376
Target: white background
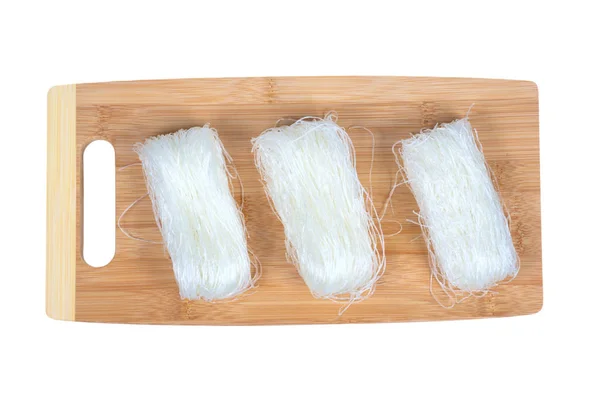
550	358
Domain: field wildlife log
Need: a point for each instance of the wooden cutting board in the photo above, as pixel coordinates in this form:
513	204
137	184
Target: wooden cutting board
138	285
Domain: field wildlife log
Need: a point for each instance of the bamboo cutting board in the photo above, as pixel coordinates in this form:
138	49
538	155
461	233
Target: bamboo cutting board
138	285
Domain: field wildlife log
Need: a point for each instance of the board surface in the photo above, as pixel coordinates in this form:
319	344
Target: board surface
138	285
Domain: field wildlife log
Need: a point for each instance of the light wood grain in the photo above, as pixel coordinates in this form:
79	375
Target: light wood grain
302	90
61	197
138	285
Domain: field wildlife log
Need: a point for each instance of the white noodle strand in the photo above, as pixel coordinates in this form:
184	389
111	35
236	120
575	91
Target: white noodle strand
125	232
333	233
461	215
201	224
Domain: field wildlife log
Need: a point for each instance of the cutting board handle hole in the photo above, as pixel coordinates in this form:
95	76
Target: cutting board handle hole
99	202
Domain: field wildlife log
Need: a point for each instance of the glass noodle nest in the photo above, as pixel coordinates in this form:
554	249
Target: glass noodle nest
464	222
332	232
